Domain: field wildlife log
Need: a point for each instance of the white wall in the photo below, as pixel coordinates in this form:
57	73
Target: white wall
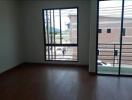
10	47
92	43
33	28
21	31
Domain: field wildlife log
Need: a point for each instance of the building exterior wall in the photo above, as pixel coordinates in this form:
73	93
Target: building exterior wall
114	38
73	33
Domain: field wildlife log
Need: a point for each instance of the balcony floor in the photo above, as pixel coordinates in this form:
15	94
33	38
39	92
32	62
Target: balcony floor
125	69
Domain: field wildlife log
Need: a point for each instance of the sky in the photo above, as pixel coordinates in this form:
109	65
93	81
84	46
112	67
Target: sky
113	8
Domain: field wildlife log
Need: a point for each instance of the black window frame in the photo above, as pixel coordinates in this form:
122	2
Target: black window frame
68	45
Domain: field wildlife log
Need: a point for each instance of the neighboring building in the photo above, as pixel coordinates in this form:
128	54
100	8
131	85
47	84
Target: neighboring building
109	33
114	24
73	33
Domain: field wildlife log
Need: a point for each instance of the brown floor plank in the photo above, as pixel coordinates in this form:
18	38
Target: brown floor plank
41	82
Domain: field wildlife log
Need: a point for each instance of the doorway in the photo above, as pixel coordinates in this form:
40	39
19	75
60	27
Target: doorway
114	40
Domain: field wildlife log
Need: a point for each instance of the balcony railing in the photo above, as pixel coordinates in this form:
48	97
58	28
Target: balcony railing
109	53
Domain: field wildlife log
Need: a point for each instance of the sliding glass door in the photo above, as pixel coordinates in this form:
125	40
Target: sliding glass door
109	36
114	50
126	55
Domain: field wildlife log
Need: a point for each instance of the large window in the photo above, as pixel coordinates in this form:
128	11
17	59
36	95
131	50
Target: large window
61	34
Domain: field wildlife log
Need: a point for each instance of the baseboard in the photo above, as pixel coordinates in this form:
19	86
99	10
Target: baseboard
92	73
5	69
54	64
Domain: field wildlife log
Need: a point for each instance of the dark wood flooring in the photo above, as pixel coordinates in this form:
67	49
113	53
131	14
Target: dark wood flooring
39	82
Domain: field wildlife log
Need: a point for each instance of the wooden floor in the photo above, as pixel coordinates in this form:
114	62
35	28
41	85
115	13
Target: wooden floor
39	82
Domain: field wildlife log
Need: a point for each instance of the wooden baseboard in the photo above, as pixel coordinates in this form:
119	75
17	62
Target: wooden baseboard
11	68
92	73
54	64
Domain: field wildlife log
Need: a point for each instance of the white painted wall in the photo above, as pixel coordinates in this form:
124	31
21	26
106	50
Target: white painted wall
10	45
33	28
21	31
92	43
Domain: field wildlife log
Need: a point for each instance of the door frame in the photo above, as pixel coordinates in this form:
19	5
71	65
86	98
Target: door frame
121	32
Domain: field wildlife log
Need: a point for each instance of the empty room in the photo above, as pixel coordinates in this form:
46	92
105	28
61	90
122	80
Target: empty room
65	49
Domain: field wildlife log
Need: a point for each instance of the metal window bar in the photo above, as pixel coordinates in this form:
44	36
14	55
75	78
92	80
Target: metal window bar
51	34
60	27
50	27
115	56
61	44
47	33
54	34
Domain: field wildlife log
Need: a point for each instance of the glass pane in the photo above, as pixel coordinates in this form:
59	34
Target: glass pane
46	26
61	26
126	59
69	26
109	36
57	26
61	34
65	53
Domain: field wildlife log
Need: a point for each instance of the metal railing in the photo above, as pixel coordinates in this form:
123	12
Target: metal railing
110	53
